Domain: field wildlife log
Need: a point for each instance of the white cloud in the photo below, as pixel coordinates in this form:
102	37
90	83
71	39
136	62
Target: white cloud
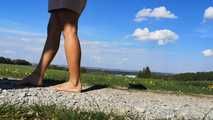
159	12
208	15
161	36
29	45
20	32
208	52
8	51
105	54
16	43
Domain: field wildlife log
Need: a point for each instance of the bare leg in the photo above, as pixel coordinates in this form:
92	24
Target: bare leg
72	51
49	52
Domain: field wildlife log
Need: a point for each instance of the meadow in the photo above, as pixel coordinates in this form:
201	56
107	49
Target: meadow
51	112
114	81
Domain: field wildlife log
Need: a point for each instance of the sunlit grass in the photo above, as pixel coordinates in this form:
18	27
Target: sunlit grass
198	87
51	112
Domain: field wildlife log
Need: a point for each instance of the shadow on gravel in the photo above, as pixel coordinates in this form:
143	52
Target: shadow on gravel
6	83
95	87
137	86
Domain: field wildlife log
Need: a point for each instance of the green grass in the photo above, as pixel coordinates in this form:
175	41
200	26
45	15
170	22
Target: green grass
195	87
180	87
19	71
50	112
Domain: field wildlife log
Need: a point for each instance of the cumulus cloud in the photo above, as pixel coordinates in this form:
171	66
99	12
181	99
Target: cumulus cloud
20	32
163	36
8	51
15	43
208	52
208	14
159	12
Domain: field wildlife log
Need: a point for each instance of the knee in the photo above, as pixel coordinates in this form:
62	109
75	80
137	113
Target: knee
70	30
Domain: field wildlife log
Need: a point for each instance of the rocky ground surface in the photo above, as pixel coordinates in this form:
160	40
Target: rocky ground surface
134	104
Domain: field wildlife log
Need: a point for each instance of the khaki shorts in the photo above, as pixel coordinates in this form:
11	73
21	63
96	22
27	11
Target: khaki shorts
74	5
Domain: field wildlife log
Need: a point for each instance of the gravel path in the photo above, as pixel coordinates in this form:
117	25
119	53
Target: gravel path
135	104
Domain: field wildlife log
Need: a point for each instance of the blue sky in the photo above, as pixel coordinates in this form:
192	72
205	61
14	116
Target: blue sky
167	35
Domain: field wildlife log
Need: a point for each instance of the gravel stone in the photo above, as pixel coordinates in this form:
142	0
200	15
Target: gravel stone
141	105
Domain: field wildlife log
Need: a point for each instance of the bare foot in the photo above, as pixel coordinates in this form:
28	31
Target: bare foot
31	80
67	87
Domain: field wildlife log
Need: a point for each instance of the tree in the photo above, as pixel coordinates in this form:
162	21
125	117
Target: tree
5	60
140	74
145	73
21	62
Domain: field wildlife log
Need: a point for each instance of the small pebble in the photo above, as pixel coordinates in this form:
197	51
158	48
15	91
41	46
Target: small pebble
142	105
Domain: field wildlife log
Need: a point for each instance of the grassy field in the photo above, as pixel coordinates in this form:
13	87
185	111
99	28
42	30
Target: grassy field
51	112
195	87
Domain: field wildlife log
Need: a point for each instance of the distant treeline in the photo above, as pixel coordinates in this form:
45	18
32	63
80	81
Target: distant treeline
4	60
57	67
198	76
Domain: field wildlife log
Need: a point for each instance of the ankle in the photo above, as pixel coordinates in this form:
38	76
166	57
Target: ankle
37	73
